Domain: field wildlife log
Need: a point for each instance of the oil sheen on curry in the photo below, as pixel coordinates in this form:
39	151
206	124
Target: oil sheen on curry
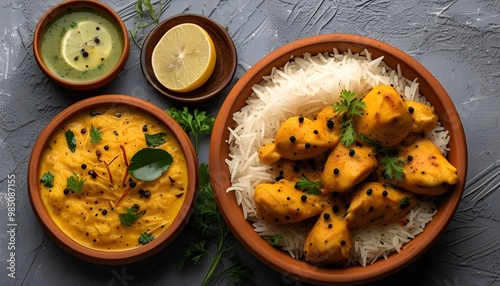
86	183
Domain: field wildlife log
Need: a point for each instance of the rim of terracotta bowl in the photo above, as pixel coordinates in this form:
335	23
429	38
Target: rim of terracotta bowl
300	269
52	14
112	257
225	65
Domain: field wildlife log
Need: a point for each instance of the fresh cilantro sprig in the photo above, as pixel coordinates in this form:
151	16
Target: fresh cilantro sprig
75	183
95	134
275	239
132	214
208	221
47	179
350	105
152	17
393	165
145	238
154	140
308	186
195	123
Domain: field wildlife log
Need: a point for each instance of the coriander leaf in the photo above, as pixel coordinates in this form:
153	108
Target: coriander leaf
148	164
393	167
154	140
193	252
71	140
195	123
145	238
306	185
275	239
75	183
128	218
350	105
95	135
47	179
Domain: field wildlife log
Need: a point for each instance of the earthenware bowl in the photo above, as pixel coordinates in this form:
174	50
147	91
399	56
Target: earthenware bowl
35	188
66	7
225	65
280	260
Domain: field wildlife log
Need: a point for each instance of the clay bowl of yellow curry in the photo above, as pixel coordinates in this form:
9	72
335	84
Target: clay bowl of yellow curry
112	179
339	159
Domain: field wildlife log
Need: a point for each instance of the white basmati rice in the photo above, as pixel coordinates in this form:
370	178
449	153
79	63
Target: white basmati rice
303	87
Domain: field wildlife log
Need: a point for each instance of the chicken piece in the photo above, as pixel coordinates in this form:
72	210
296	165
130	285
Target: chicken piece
330	120
329	242
378	204
386	118
426	170
346	167
297	138
424	117
293	170
282	203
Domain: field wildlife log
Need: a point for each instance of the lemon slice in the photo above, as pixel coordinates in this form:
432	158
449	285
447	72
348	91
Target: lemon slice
184	58
86	45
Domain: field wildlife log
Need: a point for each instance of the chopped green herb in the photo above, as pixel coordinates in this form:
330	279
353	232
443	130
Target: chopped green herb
71	140
351	106
195	123
306	185
95	135
275	239
404	203
94	113
132	214
75	183
47	179
393	167
145	238
154	17
154	140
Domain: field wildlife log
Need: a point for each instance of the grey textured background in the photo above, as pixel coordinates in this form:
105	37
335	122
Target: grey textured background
457	40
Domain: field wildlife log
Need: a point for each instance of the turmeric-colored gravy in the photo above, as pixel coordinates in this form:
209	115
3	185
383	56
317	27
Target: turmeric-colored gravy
91	217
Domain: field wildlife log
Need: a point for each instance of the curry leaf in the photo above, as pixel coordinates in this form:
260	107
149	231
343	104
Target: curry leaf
71	140
148	164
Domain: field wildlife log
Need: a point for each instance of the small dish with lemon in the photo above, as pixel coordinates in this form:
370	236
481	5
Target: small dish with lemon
189	58
81	45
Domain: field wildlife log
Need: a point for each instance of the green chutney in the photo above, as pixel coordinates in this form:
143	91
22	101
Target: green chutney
81	45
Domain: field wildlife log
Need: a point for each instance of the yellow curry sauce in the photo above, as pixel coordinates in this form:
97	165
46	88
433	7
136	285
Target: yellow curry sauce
91	217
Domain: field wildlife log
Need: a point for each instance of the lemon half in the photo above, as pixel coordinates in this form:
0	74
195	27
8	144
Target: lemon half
184	58
86	45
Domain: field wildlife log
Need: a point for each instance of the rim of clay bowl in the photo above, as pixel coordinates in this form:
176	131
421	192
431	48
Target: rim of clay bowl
52	14
300	269
112	257
226	58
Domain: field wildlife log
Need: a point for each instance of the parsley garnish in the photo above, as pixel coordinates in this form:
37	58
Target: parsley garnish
47	179
75	183
145	238
128	218
392	164
306	185
154	140
210	224
351	106
196	123
95	135
275	239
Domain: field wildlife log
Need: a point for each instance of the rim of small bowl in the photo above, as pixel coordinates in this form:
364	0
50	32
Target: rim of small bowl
226	58
112	257
300	269
55	12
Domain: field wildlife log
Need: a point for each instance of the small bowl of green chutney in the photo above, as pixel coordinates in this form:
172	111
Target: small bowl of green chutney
81	44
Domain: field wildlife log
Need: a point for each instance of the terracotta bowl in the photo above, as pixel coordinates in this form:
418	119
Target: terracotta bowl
111	257
300	269
225	65
64	7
